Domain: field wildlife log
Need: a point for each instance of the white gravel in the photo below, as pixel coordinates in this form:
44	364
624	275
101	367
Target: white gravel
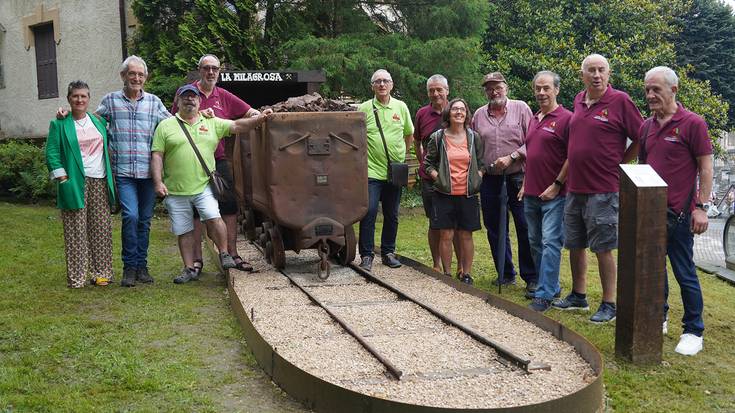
442	366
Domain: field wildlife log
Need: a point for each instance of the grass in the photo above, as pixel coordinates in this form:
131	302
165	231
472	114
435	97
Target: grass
178	348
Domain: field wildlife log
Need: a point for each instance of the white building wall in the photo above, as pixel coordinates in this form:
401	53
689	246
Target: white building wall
89	48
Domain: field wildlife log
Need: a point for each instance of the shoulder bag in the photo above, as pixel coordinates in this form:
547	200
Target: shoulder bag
220	187
397	171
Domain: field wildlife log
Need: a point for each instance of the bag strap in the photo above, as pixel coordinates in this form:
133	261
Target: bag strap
196	150
380	129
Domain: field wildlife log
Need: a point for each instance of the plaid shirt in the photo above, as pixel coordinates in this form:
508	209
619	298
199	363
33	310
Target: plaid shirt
131	126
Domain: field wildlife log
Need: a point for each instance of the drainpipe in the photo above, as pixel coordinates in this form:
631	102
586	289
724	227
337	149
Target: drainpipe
123	30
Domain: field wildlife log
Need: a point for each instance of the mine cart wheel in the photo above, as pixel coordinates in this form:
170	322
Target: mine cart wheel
347	254
268	252
248	225
278	253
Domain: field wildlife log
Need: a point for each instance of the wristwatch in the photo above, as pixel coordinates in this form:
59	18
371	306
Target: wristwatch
703	207
514	156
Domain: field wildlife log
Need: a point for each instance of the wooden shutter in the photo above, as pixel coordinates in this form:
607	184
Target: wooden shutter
48	84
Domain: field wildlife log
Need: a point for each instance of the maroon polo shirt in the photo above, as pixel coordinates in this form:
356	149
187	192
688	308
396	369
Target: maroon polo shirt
597	138
546	150
505	134
427	122
672	151
225	105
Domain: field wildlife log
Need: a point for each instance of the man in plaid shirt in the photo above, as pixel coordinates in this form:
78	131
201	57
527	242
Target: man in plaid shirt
133	115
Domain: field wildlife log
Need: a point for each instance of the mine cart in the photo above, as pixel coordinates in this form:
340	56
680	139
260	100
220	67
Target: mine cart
302	178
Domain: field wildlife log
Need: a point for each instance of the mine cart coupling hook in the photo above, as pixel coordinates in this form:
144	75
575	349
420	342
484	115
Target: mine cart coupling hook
323	268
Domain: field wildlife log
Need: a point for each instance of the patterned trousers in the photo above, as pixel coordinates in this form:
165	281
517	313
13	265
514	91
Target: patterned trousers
88	236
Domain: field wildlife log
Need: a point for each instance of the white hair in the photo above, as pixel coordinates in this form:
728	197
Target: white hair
201	59
437	79
594	56
378	72
668	73
133	59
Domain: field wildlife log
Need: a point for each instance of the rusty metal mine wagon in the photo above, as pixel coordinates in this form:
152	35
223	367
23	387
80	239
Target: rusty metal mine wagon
302	178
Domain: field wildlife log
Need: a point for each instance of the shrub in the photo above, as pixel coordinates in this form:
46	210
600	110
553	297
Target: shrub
23	173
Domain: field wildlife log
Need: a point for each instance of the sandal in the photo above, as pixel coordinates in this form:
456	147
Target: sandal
241	264
198	268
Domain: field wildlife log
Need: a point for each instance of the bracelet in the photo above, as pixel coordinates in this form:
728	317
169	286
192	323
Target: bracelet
558	183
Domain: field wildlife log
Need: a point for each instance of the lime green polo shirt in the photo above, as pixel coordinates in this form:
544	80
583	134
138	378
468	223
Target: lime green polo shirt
182	172
396	122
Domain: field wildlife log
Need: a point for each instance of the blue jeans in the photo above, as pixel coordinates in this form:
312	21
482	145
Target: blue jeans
490	201
389	196
137	199
680	249
545	236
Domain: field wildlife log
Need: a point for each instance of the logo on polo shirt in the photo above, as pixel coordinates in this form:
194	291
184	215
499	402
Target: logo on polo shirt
551	127
673	136
602	115
396	118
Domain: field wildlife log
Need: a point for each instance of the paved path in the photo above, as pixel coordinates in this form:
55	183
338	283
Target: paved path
709	255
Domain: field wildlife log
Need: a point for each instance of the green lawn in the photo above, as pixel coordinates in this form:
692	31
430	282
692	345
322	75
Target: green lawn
178	348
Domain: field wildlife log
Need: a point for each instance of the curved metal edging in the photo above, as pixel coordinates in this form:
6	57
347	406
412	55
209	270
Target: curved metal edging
325	397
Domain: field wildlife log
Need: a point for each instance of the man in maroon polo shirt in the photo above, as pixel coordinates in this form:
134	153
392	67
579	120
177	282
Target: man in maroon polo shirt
227	106
604	119
677	146
502	125
429	119
543	189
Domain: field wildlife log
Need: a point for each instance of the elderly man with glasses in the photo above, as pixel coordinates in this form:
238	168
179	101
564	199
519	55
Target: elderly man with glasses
224	105
395	122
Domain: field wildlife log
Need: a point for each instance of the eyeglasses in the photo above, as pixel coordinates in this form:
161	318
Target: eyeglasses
188	96
458	109
498	88
382	82
210	68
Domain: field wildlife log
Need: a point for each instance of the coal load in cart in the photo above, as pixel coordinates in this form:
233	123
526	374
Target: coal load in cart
302	179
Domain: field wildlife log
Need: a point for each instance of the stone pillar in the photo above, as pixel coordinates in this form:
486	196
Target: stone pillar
641	265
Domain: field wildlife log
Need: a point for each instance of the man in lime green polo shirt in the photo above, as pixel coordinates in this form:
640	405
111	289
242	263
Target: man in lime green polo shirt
395	120
179	176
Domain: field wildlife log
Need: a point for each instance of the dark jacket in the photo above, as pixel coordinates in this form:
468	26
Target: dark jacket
436	159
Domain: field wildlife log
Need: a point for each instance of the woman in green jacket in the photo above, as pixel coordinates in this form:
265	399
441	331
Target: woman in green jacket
77	158
454	162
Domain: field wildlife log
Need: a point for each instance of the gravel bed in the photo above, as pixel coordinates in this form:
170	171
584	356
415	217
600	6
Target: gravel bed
442	366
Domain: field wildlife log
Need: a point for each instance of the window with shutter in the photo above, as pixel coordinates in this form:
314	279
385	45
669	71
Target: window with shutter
48	84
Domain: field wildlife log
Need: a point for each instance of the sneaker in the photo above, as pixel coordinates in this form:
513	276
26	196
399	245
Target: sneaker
187	274
604	314
504	281
143	276
366	263
571	302
531	290
665	327
226	259
467	279
540	305
689	344
390	260
128	279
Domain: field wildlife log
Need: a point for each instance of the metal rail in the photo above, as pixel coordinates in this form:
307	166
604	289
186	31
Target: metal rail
388	365
503	351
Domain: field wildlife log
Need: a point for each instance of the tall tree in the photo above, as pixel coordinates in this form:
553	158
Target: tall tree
707	45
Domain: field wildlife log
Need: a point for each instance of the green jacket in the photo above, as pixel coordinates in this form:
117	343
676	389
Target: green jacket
62	152
436	160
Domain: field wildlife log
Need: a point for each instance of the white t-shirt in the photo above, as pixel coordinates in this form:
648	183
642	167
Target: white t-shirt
92	147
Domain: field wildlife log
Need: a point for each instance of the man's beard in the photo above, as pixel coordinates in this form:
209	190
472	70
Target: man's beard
498	102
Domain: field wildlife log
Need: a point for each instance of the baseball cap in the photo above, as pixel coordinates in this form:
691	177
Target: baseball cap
493	77
188	88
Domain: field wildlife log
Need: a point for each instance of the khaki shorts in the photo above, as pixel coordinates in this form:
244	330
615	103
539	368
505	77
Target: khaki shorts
591	220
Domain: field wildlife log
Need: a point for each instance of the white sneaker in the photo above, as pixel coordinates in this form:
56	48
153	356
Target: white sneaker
665	327
689	344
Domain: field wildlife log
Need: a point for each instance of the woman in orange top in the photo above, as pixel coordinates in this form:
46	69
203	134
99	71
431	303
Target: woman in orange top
454	162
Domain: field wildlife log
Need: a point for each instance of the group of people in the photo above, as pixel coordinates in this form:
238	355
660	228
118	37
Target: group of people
559	170
131	149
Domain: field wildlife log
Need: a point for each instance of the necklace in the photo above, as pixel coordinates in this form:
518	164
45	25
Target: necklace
80	123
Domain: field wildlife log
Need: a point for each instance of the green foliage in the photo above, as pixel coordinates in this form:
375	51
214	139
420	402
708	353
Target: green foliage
23	173
707	44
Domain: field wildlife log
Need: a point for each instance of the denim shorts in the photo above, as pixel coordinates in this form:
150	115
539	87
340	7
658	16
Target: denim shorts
591	220
182	215
455	212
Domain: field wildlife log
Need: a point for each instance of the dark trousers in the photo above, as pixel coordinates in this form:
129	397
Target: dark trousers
680	249
490	201
389	196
